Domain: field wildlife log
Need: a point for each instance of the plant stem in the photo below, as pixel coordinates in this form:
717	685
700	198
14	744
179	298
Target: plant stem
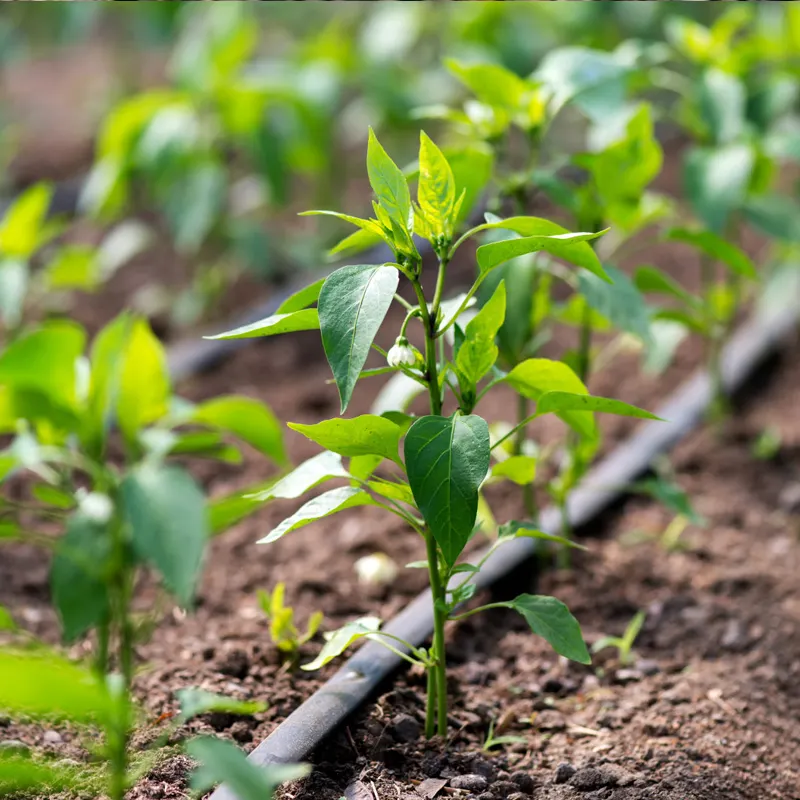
528	491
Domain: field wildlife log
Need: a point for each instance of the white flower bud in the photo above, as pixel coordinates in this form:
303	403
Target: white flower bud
376	569
97	507
402	354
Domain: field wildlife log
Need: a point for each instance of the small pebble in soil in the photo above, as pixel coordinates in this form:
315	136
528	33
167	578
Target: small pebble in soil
236	663
480	766
52	737
735	636
564	771
525	782
240	731
503	789
648	667
404	728
14	747
470	783
550	721
626	675
432	765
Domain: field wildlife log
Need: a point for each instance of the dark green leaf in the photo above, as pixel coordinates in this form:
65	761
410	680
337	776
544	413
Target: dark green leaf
717	248
447	459
352	305
552	620
651	279
775	215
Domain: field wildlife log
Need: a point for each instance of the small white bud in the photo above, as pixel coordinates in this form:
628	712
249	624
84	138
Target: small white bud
402	354
97	507
376	569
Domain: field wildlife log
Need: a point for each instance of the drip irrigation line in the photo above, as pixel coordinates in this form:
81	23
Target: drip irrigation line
357	680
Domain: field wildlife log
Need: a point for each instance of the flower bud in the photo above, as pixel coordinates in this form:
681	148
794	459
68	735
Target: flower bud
402	354
97	507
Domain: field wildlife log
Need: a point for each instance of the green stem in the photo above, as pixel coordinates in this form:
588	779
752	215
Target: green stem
564	556
529	490
430	710
438	667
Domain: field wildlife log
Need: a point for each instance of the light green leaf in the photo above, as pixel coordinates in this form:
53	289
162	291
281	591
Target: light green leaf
41	685
302	299
559	402
389	184
552	620
74	267
22	226
250	420
194	702
478	352
319	507
77	576
361	436
305	476
722	104
144	385
519	469
355	243
370	226
304	320
352	305
14	280
527	530
436	191
535	377
338	641
169	524
223	762
491	83
447	459
395	490
717	248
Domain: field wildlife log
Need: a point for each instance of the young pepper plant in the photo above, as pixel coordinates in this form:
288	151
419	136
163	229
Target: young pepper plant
446	454
116	515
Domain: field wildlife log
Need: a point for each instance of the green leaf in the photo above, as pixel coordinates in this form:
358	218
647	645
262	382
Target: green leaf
535	377
716	181
338	641
776	215
44	361
552	620
169	524
223	762
361	467
717	248
389	184
540	235
74	267
302	299
670	495
436	190
194	702
447	459
250	420
651	279
77	576
490	83
472	167
362	436
394	490
559	402
43	685
304	320
305	476
519	469
722	104
21	776
478	352
352	305
370	226
527	530
620	302
144	385
319	507
356	242
22	226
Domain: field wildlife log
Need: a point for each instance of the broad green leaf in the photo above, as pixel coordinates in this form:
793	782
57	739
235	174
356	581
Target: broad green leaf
194	702
447	459
338	641
144	385
319	507
223	762
540	235
436	190
304	320
527	530
535	377
552	620
305	476
653	280
352	305
22	226
690	38
519	469
717	248
355	243
361	467
716	181
478	352
250	420
361	436
301	299
42	685
169	524
559	402
14	280
389	184
722	103
620	302
776	215
77	576
44	360
490	83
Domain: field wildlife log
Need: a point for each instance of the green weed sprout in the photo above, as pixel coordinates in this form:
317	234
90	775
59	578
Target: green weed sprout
623	644
435	485
282	630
